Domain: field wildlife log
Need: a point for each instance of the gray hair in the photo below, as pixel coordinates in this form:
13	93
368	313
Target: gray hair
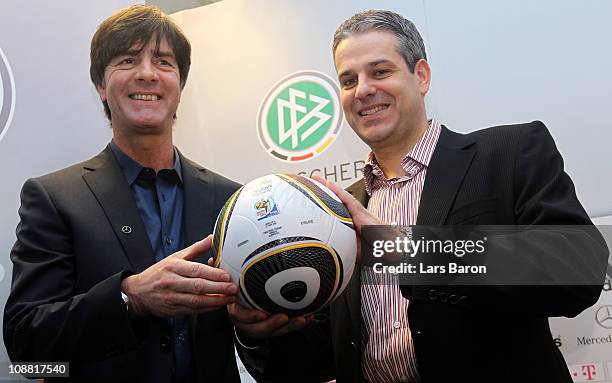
409	41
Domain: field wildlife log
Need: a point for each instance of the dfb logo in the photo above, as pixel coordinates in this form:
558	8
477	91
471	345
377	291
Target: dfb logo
300	116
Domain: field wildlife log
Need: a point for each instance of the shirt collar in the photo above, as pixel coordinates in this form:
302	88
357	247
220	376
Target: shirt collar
414	161
131	169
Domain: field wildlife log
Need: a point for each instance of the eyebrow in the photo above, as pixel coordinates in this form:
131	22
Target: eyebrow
370	65
136	52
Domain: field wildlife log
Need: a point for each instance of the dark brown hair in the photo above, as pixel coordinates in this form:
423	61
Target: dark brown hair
137	24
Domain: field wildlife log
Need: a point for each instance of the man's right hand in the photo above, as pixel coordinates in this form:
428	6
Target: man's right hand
255	325
176	285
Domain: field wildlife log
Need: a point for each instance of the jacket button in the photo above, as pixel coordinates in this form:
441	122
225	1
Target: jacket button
464	301
353	344
453	299
443	297
165	343
433	294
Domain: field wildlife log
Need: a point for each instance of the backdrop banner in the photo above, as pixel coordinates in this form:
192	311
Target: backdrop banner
262	97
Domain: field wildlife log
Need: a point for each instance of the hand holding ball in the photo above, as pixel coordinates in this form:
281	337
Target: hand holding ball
287	242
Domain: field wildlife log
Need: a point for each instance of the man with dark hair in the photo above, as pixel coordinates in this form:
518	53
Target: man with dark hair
109	267
127	28
420	173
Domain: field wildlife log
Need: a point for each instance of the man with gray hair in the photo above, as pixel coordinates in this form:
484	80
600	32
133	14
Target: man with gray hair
420	173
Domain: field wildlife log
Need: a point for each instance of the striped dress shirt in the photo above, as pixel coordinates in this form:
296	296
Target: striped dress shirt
388	352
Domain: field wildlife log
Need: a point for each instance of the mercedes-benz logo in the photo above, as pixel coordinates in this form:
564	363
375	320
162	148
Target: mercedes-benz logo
603	316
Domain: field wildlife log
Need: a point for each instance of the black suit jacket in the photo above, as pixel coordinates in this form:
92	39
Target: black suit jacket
80	234
507	175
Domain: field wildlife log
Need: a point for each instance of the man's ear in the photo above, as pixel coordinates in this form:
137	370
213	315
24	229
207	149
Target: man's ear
422	71
102	92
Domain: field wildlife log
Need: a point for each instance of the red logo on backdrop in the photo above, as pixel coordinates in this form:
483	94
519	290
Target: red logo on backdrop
588	372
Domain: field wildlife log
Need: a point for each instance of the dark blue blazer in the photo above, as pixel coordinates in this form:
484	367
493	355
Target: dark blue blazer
79	235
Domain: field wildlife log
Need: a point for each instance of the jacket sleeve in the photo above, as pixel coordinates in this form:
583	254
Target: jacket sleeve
561	267
302	356
576	251
44	318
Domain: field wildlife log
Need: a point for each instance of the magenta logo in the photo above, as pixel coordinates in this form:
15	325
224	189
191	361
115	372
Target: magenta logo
7	94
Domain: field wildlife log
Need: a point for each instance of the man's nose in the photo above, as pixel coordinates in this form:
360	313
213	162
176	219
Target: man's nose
146	71
365	88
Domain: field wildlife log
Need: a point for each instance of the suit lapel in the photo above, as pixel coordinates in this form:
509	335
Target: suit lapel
353	301
199	192
106	181
353	289
449	163
198	219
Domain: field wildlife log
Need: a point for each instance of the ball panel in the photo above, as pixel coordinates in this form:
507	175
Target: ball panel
295	288
242	237
276	243
221	225
278	210
236	277
343	239
244	299
320	195
315	256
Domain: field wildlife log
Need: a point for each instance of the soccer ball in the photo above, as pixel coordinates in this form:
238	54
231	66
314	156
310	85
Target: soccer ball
287	242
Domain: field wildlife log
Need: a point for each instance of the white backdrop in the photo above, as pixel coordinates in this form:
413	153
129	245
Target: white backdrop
508	62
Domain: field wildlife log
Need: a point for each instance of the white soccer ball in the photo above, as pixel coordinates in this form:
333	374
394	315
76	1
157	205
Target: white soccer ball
287	242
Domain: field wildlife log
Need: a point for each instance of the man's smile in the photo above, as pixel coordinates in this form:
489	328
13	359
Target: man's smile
372	109
145	97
